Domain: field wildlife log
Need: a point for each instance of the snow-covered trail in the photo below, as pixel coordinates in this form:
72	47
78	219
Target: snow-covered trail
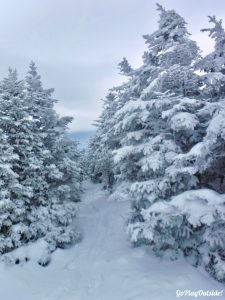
104	266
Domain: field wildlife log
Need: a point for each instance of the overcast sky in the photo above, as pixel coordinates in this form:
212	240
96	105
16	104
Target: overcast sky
77	44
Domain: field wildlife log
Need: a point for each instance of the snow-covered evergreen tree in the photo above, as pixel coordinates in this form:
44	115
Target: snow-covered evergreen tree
207	156
213	64
40	172
161	121
99	161
203	241
193	222
99	155
61	173
15	122
164	69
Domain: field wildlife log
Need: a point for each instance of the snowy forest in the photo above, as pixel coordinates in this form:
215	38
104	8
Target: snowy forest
163	131
147	193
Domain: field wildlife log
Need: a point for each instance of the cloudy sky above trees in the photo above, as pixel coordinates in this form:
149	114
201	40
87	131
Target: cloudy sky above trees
77	44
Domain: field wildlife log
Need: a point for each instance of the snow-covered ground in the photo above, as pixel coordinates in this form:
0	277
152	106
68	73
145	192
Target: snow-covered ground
104	266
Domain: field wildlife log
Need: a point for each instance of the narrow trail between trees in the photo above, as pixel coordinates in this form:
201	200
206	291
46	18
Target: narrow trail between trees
104	265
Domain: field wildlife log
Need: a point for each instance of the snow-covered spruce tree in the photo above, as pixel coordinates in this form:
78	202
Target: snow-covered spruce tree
60	183
207	156
213	64
99	159
212	167
202	211
159	127
40	172
99	155
136	120
15	123
193	222
160	120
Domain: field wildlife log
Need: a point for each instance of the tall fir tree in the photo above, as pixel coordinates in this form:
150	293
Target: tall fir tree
40	171
15	122
61	173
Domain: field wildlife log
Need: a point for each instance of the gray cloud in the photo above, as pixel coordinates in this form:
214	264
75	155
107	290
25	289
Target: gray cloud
78	43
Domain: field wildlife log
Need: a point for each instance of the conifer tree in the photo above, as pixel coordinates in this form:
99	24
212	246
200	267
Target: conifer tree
40	170
61	172
192	222
213	64
162	118
207	156
15	122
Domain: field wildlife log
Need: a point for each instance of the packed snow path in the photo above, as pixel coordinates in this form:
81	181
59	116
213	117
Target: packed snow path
104	266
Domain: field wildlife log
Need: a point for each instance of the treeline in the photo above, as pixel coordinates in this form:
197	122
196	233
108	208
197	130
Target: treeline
163	131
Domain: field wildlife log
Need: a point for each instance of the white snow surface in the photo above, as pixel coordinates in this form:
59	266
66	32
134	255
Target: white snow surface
103	266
